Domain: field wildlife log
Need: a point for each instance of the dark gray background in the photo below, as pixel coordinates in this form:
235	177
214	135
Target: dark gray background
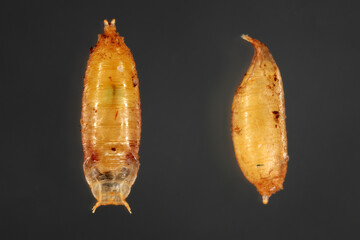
190	59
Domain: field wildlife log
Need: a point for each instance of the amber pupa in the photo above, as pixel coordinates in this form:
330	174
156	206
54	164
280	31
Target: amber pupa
258	123
111	119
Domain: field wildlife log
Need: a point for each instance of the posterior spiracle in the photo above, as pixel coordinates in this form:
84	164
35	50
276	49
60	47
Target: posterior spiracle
258	123
111	119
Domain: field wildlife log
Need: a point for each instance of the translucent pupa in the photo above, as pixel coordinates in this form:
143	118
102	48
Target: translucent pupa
111	119
258	123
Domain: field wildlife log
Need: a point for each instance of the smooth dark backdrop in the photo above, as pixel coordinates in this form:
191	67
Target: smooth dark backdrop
190	59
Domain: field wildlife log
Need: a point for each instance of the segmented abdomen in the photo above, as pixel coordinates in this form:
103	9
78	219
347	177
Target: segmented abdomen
258	123
111	120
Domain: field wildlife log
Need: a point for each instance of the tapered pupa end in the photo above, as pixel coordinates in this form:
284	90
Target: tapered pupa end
265	199
250	39
106	23
109	27
246	37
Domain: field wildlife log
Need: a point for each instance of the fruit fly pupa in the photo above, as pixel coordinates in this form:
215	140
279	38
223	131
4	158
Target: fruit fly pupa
258	123
111	119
